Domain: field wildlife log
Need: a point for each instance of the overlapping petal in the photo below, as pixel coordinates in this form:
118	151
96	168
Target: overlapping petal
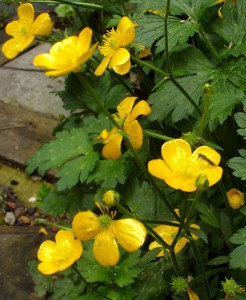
112	149
123	69
42	25
85	225
126	31
120	57
130	234
26	13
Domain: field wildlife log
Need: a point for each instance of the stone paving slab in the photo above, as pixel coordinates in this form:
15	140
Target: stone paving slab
24	85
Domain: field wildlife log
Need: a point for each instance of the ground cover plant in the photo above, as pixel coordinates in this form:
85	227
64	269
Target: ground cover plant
150	164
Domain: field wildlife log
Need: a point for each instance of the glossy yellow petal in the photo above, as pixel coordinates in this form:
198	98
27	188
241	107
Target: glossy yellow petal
129	233
154	245
175	153
44	61
84	39
213	174
126	31
102	67
64	236
159	169
63	71
83	58
85	225
9	49
180	245
141	108
206	156
135	134
192	294
112	149
48	268
120	57
235	198
47	251
105	248
125	107
42	25
197	227
220	1
123	69
16	29
185	183
26	14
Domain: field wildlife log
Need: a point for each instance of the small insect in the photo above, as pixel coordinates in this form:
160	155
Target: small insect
204	157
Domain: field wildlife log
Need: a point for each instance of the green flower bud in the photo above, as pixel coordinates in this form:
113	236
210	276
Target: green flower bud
179	285
202	182
230	288
208	89
111	198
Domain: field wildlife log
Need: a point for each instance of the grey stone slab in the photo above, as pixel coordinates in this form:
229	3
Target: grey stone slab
24	85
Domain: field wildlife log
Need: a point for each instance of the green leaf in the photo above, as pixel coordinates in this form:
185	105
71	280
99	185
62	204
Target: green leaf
221	106
108	173
76	170
43	284
67	145
238	258
232	28
208	214
239	237
199	233
240	118
219	260
149	256
70	202
238	164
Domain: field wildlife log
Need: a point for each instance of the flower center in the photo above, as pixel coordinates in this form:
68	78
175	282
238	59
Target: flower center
105	221
110	43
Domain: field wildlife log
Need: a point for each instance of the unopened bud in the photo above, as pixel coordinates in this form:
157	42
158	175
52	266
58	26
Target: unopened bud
235	198
111	198
202	182
208	89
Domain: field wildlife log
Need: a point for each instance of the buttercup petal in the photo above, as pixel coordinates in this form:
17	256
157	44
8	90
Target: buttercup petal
129	233
213	174
14	28
112	149
135	133
9	49
47	251
123	69
84	39
202	153
64	235
141	108
102	67
126	31
125	107
48	268
120	57
85	225
45	61
26	14
87	55
105	249
154	245
42	25
175	153
159	169
185	183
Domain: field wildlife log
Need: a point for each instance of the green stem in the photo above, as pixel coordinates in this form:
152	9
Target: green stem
45	222
141	165
175	263
157	135
152	67
204	114
188	97
192	208
166	36
209	44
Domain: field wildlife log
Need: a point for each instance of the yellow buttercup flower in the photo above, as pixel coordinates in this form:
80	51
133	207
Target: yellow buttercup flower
106	232
126	118
113	49
235	198
180	168
67	55
25	30
168	233
59	255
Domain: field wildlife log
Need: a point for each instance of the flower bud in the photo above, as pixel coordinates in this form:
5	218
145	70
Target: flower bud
201	182
111	198
235	198
208	89
179	285
230	288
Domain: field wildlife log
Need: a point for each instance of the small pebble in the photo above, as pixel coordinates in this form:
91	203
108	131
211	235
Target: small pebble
9	218
19	211
24	220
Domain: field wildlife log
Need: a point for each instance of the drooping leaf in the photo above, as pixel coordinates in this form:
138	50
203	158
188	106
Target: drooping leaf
208	214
